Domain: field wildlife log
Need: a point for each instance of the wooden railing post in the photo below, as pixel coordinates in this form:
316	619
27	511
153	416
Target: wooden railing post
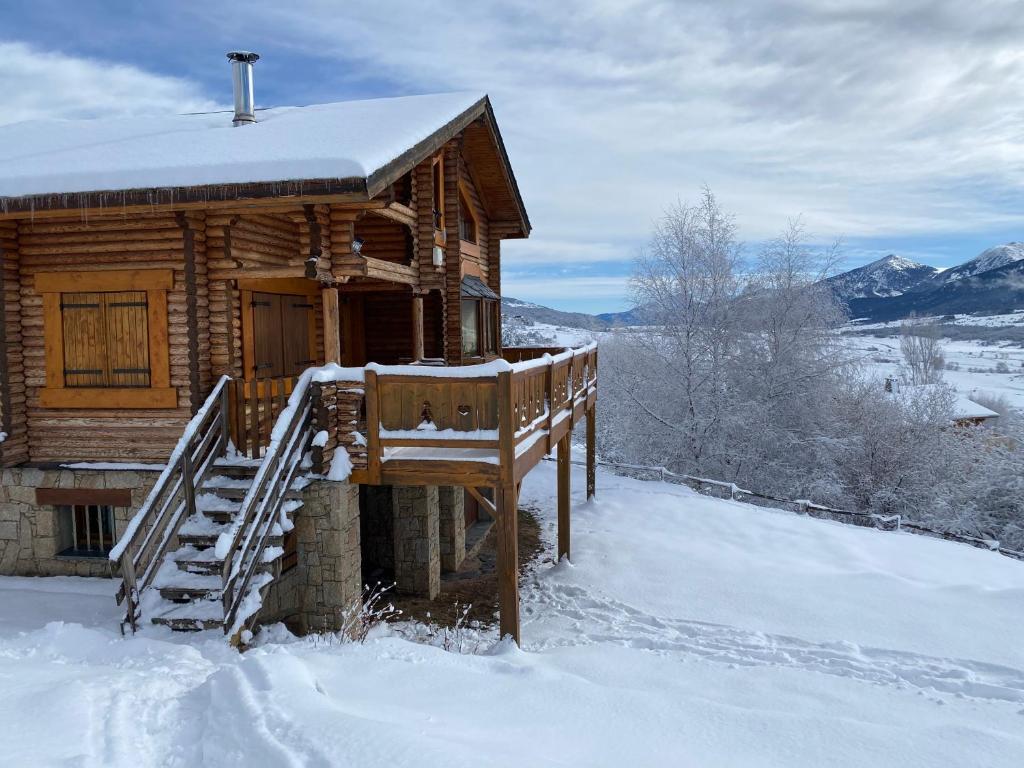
550	389
128	580
188	486
564	495
508	559
225	419
373	447
506	427
591	452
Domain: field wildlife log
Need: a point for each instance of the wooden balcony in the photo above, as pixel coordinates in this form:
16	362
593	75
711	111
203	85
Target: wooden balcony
473	426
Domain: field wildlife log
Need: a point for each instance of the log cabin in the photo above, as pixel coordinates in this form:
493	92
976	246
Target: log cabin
249	360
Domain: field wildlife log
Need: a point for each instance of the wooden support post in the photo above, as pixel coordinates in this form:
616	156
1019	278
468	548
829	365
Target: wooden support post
332	326
417	328
508	560
592	452
564	497
373	448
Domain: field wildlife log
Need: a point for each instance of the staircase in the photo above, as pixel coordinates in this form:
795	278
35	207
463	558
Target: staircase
190	579
208	542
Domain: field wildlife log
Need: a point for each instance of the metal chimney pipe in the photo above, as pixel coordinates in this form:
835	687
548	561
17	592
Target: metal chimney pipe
241	79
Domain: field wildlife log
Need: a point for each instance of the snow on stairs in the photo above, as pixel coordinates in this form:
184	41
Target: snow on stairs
188	582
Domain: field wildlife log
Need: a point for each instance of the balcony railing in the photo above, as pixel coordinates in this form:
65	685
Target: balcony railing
470	425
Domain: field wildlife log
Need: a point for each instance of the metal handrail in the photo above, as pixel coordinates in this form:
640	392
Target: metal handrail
264	499
172	499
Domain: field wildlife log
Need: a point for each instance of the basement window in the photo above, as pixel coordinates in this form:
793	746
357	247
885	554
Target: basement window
85	530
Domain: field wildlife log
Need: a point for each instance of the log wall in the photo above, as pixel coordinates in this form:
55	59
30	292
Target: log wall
142	241
483	241
14	448
452	258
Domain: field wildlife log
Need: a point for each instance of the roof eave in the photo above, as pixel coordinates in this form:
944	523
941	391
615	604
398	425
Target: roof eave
391	172
219	195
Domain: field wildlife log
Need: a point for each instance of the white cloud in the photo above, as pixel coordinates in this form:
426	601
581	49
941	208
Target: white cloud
871	118
45	84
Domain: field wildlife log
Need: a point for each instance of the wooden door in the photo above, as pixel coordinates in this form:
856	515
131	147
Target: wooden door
267	347
297	334
283	335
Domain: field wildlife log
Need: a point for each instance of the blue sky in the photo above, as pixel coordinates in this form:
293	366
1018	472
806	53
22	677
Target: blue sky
893	130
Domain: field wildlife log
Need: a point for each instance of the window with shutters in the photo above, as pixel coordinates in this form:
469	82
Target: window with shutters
106	339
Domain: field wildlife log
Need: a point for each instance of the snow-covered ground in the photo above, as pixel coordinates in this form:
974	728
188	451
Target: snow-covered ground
994	368
688	631
1007	320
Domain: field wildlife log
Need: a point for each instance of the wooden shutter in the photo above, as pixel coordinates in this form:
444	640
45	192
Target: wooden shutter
127	332
296	332
85	351
268	350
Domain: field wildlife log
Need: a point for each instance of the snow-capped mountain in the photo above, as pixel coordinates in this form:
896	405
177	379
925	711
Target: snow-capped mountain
993	281
889	276
989	259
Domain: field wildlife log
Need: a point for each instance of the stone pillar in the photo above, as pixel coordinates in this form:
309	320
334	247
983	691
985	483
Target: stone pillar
452	526
417	540
329	577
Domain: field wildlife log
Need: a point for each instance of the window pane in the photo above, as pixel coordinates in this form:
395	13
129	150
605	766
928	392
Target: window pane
470	326
467	224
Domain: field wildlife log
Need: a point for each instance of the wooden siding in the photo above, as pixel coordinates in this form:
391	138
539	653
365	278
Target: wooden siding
384	239
479	259
452	259
153	241
12	372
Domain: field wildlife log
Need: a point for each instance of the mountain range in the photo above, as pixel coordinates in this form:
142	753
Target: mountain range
890	288
893	287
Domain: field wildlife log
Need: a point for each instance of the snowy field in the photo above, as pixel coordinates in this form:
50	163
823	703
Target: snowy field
994	368
687	632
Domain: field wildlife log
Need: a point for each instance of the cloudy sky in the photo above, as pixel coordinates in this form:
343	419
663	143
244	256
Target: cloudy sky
894	126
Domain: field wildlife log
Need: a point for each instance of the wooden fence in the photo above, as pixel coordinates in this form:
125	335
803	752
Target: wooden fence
731	491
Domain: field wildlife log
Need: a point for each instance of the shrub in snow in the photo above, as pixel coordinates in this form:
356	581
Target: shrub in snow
362	615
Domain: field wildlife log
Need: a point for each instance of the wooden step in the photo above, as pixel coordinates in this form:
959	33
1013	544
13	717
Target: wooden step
188	594
236	470
192	616
208	540
188	625
237	494
203	561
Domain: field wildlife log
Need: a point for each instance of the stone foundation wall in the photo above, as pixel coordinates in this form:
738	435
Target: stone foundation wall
31	534
327	578
452	526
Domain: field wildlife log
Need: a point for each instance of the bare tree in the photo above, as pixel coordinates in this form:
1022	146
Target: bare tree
921	345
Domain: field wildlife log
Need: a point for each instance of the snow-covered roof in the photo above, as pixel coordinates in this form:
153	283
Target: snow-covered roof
961	406
350	139
965	408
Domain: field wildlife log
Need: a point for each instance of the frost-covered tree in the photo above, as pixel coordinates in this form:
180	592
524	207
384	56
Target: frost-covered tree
921	347
737	375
